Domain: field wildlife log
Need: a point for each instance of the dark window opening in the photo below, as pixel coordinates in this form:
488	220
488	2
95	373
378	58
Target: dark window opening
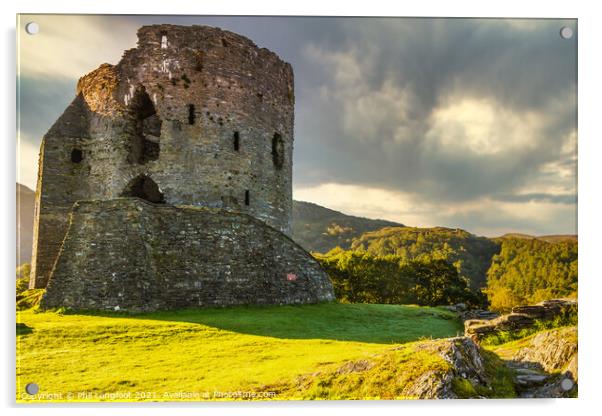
236	141
145	188
278	151
247	197
150	150
77	155
191	114
225	43
147	128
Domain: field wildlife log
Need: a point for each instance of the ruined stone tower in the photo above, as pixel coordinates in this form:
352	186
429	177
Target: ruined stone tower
186	144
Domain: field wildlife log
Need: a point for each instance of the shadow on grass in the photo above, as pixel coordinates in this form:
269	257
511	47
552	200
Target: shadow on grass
331	321
23	329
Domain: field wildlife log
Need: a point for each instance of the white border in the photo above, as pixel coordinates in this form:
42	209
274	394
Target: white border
590	209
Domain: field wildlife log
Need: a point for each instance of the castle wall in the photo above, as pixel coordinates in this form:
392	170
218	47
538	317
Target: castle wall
60	183
201	114
128	254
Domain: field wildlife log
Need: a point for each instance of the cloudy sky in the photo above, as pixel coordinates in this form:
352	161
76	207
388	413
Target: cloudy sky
466	123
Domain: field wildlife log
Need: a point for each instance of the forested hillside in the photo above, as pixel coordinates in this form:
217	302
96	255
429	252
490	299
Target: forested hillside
469	253
431	266
527	271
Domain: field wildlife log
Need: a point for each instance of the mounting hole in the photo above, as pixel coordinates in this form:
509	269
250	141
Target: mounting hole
32	28
32	388
567	384
566	32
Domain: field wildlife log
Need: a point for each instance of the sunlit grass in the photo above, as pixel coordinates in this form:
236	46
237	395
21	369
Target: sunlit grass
209	351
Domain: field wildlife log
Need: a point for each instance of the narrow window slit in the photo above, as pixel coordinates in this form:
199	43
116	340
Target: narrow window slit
236	141
191	114
247	197
278	151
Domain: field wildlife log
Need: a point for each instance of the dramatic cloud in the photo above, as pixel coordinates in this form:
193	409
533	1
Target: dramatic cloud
457	122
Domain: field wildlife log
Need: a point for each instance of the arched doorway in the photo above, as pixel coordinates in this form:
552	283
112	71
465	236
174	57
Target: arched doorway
145	188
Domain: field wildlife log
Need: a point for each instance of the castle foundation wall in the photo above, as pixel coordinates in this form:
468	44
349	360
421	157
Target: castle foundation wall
130	255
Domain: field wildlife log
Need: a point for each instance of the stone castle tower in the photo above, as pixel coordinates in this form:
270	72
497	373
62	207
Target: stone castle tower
185	145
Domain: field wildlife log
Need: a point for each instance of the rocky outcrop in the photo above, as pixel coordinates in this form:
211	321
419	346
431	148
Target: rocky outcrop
548	309
544	367
546	364
521	317
554	350
465	363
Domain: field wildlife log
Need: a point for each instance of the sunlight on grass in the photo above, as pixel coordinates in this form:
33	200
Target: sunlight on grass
207	350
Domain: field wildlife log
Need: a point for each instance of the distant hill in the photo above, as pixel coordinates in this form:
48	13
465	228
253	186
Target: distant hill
321	229
25	210
559	238
469	253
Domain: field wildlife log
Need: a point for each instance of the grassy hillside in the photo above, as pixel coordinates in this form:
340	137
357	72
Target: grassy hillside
242	349
470	254
321	229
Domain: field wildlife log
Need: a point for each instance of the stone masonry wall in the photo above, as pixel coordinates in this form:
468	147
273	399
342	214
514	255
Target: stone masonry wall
193	115
128	254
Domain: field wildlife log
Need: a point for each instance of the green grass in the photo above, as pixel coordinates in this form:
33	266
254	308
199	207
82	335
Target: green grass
387	376
240	349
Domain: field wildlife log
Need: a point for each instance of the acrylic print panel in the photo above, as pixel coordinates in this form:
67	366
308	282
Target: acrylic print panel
284	208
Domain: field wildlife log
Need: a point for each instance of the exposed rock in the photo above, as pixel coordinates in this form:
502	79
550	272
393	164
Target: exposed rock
546	366
530	379
479	314
520	318
548	309
431	385
466	362
554	350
